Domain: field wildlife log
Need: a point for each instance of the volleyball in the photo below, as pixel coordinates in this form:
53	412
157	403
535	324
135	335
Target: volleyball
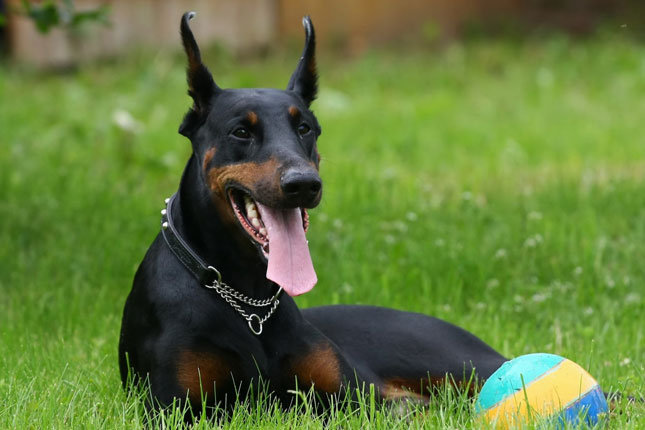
541	386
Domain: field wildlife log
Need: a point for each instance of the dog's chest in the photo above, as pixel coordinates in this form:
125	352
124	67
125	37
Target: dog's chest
199	372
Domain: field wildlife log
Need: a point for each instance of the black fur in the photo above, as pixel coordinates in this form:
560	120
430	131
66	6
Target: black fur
304	80
201	86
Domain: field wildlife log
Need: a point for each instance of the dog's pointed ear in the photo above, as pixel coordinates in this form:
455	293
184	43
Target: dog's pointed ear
304	80
201	86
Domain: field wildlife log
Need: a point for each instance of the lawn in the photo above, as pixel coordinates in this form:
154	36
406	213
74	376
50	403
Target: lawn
495	183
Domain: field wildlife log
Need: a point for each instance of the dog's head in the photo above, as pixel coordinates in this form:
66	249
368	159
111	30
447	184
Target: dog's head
256	149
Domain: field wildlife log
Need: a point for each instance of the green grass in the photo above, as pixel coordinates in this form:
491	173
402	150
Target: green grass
497	184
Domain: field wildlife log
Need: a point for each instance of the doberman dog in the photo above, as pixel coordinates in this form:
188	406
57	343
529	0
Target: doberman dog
211	310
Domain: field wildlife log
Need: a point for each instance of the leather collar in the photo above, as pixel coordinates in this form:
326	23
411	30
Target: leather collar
211	278
204	273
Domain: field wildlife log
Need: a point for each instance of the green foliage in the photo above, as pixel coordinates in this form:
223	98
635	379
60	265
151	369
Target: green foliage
61	13
497	184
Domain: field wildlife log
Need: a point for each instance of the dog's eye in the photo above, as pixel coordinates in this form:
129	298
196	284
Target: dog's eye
303	129
242	133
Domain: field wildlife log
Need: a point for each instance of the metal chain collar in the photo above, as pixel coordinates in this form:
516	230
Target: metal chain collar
232	296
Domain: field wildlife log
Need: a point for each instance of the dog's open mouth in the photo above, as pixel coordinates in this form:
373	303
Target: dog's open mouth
280	234
249	215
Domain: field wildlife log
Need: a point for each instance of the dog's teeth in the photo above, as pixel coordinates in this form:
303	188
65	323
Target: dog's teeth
263	231
251	212
249	204
255	222
250	207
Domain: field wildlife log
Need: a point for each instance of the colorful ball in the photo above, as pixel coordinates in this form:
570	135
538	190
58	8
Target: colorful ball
541	386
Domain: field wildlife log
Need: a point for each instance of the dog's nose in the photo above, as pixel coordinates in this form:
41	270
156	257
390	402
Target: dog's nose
301	188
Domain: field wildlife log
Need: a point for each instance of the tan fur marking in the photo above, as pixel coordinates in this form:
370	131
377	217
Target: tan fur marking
393	393
402	388
248	175
320	368
418	388
294	111
252	117
252	176
198	371
208	156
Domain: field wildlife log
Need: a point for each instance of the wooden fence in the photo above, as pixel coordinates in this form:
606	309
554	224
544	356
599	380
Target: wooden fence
243	25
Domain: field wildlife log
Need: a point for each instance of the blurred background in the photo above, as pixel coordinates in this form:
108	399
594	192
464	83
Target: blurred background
63	33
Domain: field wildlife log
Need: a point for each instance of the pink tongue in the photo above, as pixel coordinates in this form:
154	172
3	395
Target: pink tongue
290	264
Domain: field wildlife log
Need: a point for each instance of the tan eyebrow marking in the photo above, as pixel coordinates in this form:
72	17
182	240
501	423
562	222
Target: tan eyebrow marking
294	111
252	117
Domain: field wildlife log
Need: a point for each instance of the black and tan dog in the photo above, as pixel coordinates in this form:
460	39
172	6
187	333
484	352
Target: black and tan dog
210	313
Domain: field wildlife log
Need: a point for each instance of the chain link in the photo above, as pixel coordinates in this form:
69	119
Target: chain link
225	290
232	296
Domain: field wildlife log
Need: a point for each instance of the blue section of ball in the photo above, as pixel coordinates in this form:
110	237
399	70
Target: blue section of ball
589	408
